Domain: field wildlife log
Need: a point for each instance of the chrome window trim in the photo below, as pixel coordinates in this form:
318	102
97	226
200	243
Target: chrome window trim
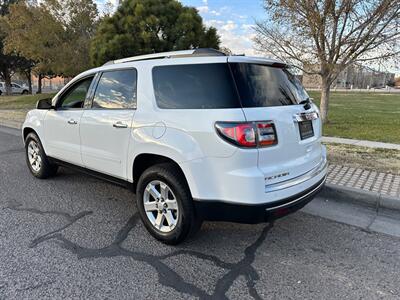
321	167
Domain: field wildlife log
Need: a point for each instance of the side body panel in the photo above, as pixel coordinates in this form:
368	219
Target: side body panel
104	147
62	135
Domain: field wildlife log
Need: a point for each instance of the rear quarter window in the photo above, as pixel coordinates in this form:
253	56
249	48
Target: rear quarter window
197	86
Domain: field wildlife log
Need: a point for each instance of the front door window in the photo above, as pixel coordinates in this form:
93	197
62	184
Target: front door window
75	97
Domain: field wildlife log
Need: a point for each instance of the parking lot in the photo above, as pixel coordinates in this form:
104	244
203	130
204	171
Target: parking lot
78	237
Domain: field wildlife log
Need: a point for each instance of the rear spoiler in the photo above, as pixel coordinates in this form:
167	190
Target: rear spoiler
257	60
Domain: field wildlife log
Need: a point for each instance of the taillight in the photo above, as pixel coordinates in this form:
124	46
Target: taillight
248	134
241	134
266	134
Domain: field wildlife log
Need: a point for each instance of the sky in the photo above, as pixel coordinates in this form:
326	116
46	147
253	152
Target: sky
234	20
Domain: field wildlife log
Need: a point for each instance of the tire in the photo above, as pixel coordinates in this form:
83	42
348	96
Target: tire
34	152
25	92
1	92
166	177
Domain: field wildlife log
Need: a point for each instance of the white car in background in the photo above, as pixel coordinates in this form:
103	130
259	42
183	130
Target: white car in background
196	134
15	89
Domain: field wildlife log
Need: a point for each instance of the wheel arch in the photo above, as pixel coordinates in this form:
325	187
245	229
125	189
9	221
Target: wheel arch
28	130
144	161
34	123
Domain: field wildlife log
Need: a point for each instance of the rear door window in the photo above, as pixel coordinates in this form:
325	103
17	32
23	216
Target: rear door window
116	90
263	86
197	86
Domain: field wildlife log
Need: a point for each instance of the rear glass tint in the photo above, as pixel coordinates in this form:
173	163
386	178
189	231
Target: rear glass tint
262	86
197	86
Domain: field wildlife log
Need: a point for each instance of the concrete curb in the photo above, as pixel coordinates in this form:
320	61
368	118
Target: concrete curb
9	124
12	121
373	200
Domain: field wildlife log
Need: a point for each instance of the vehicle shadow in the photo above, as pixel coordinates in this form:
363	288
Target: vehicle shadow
232	254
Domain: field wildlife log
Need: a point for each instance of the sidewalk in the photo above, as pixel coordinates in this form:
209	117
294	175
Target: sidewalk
382	183
361	143
385	184
12	118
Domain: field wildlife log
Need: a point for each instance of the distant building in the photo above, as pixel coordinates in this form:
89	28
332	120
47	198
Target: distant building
354	76
51	84
397	82
48	84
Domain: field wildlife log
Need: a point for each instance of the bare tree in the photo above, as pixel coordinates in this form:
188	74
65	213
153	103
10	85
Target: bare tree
325	36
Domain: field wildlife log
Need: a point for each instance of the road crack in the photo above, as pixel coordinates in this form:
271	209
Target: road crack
167	276
71	219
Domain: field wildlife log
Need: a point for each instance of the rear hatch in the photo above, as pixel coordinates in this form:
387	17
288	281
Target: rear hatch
269	92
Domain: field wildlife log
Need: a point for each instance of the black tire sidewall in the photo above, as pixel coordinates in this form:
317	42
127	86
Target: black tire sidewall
46	169
179	187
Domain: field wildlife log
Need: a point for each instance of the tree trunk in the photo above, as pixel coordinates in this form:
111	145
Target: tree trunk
39	90
324	105
29	78
7	81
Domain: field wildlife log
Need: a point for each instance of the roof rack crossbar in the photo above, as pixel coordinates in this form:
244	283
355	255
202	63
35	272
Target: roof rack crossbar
171	54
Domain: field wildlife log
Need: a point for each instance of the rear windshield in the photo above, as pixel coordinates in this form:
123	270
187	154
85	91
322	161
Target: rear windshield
221	85
261	85
198	86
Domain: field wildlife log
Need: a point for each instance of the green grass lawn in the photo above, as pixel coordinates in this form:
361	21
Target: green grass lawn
364	116
21	101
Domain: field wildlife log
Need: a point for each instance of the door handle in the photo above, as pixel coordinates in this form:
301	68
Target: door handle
120	125
72	122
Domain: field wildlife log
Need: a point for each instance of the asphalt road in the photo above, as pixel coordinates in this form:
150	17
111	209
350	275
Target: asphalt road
78	237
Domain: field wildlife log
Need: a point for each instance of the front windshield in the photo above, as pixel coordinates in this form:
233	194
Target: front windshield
263	86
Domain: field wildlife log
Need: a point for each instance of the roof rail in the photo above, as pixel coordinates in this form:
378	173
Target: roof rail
171	54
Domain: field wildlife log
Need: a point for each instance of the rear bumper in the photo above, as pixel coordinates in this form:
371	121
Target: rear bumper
239	180
259	213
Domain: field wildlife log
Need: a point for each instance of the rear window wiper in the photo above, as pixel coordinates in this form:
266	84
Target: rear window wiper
307	103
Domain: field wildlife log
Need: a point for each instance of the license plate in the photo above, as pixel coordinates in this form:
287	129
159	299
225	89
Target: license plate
306	129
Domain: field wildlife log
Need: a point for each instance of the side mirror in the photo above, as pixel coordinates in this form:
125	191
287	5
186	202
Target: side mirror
44	104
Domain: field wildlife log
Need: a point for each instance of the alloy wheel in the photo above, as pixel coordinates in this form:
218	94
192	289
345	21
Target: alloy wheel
161	206
34	157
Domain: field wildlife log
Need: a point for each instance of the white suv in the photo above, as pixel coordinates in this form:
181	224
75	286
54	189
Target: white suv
15	89
197	134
